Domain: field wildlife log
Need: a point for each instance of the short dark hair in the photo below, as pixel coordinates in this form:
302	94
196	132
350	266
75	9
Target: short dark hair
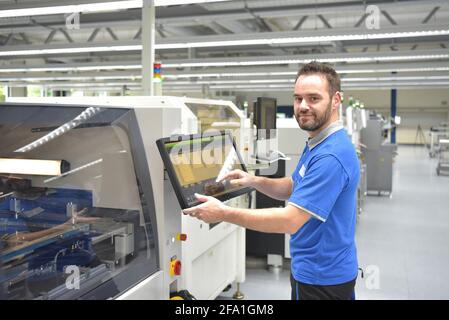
325	69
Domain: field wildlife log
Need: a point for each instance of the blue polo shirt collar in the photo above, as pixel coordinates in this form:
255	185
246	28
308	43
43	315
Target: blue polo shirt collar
322	135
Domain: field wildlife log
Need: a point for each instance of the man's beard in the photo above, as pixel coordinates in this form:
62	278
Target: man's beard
318	122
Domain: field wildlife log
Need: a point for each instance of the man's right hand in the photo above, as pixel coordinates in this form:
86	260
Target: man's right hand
239	178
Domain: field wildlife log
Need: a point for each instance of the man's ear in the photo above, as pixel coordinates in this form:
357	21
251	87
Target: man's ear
336	100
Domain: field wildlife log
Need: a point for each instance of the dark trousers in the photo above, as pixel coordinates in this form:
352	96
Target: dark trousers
303	291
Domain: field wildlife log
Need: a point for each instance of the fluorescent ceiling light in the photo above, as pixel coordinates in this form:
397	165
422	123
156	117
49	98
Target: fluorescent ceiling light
33	166
233	81
93	7
268	86
373	83
302	61
214	63
303	39
381	69
83	85
65	78
292	80
235	72
399	83
71	50
340	70
395	78
406	67
73	68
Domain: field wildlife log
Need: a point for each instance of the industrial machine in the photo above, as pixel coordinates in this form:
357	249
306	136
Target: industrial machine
355	120
184	252
443	157
378	154
78	217
215	257
436	134
291	142
263	117
279	144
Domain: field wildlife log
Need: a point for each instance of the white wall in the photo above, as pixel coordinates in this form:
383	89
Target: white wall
426	107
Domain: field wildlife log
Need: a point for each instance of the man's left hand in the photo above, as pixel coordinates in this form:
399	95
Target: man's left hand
211	210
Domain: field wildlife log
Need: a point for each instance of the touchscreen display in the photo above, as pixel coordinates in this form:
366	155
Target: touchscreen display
195	164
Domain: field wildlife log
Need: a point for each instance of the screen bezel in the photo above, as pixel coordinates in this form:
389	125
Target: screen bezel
174	178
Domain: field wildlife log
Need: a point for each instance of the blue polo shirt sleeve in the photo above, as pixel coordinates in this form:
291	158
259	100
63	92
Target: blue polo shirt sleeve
324	179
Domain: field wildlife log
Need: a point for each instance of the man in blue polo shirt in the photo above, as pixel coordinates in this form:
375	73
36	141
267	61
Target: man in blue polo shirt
321	194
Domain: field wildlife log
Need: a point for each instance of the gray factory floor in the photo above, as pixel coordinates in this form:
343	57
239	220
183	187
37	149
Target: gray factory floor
402	240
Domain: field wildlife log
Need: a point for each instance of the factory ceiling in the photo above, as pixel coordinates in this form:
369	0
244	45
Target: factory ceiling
50	43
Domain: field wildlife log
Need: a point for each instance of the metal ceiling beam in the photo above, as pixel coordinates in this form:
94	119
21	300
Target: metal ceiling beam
134	66
389	18
93	35
66	35
50	37
85	25
255	39
227	15
233	26
232	15
111	33
8	39
274	75
260	21
160	30
294	11
219	28
426	55
361	20
324	21
430	15
138	34
292	60
300	22
279	37
25	38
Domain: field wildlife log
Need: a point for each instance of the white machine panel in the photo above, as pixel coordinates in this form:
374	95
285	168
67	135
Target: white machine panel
210	258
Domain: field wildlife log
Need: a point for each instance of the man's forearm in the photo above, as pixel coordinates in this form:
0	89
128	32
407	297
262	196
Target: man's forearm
263	220
277	188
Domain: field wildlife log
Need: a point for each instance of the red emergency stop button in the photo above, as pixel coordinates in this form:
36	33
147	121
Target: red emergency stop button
181	237
175	268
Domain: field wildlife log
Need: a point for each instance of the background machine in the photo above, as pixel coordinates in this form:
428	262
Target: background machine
107	224
278	147
378	154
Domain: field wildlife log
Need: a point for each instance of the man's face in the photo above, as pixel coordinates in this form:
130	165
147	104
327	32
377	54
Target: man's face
312	104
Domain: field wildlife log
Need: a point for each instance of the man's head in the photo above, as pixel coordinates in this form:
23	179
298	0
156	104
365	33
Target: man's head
317	96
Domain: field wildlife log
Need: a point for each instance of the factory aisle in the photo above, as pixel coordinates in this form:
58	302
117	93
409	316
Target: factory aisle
402	240
405	238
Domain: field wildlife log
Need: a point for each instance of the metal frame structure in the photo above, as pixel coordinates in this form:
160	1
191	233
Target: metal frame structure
213	35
